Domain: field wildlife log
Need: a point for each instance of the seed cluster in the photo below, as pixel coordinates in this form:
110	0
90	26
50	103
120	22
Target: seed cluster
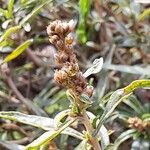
137	123
69	75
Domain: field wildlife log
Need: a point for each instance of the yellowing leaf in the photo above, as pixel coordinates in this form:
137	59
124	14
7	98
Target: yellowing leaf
18	51
144	14
137	84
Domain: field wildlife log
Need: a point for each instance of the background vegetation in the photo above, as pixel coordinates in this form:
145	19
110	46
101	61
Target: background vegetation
117	30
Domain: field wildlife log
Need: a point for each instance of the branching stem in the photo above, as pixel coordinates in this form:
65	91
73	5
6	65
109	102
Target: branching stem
93	140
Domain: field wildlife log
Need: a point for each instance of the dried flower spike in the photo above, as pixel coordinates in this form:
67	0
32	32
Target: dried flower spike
69	75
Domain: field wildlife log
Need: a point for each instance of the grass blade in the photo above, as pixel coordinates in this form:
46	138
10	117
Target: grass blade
34	12
84	10
10	8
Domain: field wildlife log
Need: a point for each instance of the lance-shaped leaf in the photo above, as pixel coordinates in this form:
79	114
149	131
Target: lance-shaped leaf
134	104
110	106
48	136
19	50
104	137
95	68
146	117
84	98
10	9
137	84
68	131
12	146
117	97
36	121
9	32
39	122
123	137
84	7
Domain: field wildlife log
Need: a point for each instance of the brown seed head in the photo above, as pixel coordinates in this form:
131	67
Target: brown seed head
69	75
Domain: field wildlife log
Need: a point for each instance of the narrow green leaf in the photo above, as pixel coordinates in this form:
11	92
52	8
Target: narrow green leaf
39	122
18	51
9	32
3	43
113	102
3	11
134	104
104	137
84	98
84	6
146	117
81	31
10	9
123	137
117	97
36	121
34	12
48	136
